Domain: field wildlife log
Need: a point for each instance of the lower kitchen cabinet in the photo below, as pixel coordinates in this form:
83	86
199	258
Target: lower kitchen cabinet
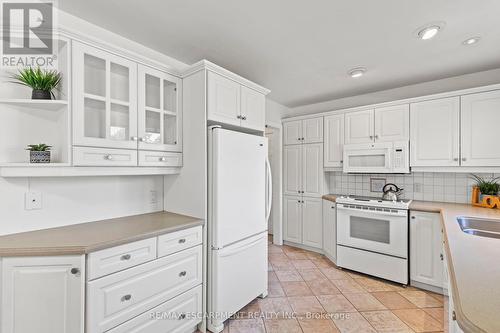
426	250
330	230
303	221
42	294
292	217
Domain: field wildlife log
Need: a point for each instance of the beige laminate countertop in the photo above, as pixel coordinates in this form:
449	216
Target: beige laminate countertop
92	236
473	262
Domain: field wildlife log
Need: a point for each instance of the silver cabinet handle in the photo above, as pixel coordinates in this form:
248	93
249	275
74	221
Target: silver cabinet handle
182	240
182	316
125	257
134	138
441	257
108	157
75	271
183	273
126	298
298	201
162	159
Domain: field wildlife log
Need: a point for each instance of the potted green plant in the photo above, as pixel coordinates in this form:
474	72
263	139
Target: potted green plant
486	187
43	82
39	153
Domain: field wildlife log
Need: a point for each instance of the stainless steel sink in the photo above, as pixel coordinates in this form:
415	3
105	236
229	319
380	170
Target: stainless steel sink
480	227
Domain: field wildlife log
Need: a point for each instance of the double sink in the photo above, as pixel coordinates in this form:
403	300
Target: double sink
480	227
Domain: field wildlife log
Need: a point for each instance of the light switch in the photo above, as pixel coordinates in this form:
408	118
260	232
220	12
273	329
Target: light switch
33	200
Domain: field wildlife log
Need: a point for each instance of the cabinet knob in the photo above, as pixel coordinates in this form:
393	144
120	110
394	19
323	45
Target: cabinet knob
75	271
341	162
441	256
134	138
298	201
183	273
455	159
126	257
371	137
464	159
108	157
376	137
238	116
244	118
453	315
126	298
182	240
141	139
413	217
163	159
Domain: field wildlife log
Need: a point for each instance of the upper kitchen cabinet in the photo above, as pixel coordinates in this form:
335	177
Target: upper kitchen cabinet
334	141
303	131
104	99
359	127
480	118
160	111
434	132
232	103
392	123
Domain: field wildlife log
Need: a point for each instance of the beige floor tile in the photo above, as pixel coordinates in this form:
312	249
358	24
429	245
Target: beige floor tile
303	305
348	286
373	285
317	325
288	248
274	289
314	255
297	255
282	326
386	322
353	323
437	313
393	300
322	287
303	264
311	274
336	303
271	276
282	265
334	273
274	249
422	299
355	275
323	263
274	308
296	289
246	326
418	320
364	302
287	276
277	257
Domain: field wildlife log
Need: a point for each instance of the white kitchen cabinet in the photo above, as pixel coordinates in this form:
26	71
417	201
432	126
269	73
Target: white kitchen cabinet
292	217
434	132
312	170
253	109
42	294
426	245
292	170
303	131
160	111
224	98
330	230
480	118
312	222
359	127
334	141
104	99
392	123
292	132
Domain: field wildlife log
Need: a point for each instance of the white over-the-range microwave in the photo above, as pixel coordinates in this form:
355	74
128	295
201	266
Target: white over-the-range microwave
381	157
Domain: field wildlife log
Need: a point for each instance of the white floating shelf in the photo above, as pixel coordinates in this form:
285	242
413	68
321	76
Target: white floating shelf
69	171
44	104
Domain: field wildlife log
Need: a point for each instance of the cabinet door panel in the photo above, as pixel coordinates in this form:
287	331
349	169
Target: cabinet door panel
434	132
223	100
480	121
334	141
330	229
292	170
292	217
253	109
312	130
312	222
392	123
292	132
312	169
359	127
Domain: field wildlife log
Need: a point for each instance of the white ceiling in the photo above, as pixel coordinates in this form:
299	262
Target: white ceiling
302	50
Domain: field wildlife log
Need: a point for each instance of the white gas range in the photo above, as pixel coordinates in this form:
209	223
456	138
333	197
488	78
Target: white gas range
372	236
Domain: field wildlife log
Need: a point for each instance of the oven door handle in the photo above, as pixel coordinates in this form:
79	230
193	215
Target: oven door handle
400	213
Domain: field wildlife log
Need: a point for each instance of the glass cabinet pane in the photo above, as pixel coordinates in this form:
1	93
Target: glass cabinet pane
169	96
119	122
94	118
94	75
169	129
153	127
119	82
152	91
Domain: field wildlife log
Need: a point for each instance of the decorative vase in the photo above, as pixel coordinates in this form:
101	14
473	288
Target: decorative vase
40	94
40	156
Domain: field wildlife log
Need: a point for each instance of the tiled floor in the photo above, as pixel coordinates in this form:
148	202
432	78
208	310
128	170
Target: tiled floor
307	293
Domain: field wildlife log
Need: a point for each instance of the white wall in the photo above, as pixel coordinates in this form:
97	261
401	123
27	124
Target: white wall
274	112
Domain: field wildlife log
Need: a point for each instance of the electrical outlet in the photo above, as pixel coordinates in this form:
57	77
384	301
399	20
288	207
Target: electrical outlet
417	188
153	197
33	200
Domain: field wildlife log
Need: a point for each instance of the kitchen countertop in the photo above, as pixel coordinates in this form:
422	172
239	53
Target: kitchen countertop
92	236
473	265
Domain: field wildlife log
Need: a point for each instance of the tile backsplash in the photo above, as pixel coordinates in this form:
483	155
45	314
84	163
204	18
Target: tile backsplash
428	186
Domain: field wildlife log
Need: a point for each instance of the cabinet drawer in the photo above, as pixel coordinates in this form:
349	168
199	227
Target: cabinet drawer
177	315
121	257
86	156
179	240
156	158
116	298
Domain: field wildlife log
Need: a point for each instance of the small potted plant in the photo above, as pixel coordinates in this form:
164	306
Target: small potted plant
487	188
43	82
39	153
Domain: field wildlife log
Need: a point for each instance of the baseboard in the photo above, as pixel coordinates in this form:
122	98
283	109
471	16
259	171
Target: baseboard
304	247
428	287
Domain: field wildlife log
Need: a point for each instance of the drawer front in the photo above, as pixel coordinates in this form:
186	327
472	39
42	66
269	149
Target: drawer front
180	314
116	298
179	240
121	257
86	156
156	158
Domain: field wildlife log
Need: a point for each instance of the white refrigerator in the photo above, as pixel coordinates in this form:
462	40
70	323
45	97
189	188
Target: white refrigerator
238	209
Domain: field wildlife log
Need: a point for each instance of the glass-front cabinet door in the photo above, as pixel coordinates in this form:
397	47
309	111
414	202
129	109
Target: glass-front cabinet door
105	99
160	119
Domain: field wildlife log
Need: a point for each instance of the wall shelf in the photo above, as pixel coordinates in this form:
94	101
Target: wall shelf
68	171
49	105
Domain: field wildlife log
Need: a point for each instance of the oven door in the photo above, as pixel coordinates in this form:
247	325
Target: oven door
375	229
368	158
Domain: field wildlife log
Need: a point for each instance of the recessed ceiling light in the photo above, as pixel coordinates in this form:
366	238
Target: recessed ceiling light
472	40
357	72
430	30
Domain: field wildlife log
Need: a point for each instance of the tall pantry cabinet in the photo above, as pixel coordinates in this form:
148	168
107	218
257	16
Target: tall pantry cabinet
304	181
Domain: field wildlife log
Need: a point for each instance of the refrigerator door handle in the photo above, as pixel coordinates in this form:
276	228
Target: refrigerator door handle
269	189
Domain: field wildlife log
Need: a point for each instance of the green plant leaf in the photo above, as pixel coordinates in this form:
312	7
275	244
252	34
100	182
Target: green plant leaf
39	147
38	79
